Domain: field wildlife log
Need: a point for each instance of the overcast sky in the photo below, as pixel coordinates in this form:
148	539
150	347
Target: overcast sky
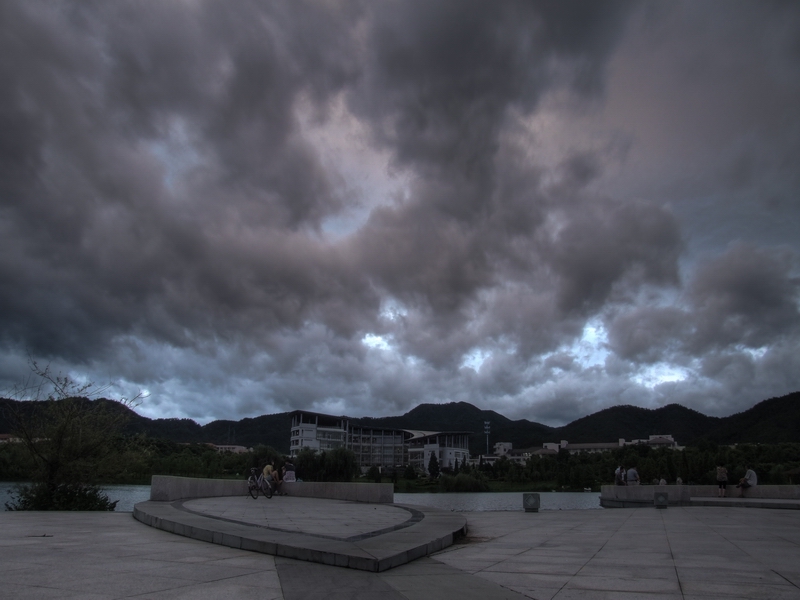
541	208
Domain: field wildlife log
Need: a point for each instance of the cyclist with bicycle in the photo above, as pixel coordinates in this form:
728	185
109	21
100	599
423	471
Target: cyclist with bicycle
271	477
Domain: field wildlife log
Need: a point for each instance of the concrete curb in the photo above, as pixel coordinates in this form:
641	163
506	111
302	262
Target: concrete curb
385	550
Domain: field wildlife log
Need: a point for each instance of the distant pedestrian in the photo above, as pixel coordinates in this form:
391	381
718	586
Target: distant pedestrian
619	476
749	480
632	476
722	480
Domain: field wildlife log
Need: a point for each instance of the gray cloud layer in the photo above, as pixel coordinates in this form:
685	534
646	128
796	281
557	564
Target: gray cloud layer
543	208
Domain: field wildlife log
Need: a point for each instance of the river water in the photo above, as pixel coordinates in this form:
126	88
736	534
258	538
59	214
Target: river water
128	495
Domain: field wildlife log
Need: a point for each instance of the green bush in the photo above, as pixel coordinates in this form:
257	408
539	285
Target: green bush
65	496
462	483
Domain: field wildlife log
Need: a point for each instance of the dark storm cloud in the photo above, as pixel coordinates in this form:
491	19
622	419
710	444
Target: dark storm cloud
189	204
745	298
102	88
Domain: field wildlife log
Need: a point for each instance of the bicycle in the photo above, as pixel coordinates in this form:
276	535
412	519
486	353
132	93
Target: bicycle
258	483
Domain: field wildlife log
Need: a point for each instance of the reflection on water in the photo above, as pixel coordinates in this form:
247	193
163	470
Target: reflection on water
502	501
128	495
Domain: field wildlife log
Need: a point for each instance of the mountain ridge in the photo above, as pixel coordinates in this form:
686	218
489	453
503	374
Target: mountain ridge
774	420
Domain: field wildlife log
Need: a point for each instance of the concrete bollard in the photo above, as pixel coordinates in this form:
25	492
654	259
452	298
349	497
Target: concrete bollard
661	499
530	502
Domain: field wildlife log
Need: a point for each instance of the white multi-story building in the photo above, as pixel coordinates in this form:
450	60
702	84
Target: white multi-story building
378	446
449	447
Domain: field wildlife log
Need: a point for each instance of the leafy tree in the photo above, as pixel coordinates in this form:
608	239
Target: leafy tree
340	464
410	472
374	473
433	466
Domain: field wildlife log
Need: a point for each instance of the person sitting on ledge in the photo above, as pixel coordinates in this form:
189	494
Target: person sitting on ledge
288	471
272	477
749	480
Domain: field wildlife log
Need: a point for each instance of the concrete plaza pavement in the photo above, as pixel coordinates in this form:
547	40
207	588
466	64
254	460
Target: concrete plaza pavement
686	553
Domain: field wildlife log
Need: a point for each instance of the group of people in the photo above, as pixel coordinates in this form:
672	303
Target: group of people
275	477
630	476
749	480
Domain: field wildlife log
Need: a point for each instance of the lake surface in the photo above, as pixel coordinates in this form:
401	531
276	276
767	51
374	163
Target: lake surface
128	495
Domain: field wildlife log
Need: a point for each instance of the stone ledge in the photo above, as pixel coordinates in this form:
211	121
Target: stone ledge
641	496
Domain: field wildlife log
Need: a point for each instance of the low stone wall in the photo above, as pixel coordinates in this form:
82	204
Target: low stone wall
618	496
166	488
774	492
637	496
377	493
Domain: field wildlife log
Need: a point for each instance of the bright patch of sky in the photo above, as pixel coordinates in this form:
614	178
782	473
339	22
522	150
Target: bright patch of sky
393	311
175	152
657	374
755	353
592	349
375	341
474	359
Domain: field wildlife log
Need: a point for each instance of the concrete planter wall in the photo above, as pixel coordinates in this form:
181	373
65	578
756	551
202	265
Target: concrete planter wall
166	488
636	496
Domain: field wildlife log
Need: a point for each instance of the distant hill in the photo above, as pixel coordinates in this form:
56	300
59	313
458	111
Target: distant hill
770	421
272	430
632	422
775	420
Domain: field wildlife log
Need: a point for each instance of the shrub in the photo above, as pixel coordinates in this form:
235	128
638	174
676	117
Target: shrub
462	483
65	496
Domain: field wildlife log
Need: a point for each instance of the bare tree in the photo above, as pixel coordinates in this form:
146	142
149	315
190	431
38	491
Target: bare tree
67	428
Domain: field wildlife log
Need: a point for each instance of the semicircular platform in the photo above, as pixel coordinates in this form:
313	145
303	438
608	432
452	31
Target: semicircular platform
370	537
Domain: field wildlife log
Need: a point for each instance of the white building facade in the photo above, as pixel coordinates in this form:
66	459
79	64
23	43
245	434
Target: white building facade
377	446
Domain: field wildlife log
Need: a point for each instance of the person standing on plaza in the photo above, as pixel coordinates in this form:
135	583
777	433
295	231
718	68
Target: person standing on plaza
722	480
632	476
